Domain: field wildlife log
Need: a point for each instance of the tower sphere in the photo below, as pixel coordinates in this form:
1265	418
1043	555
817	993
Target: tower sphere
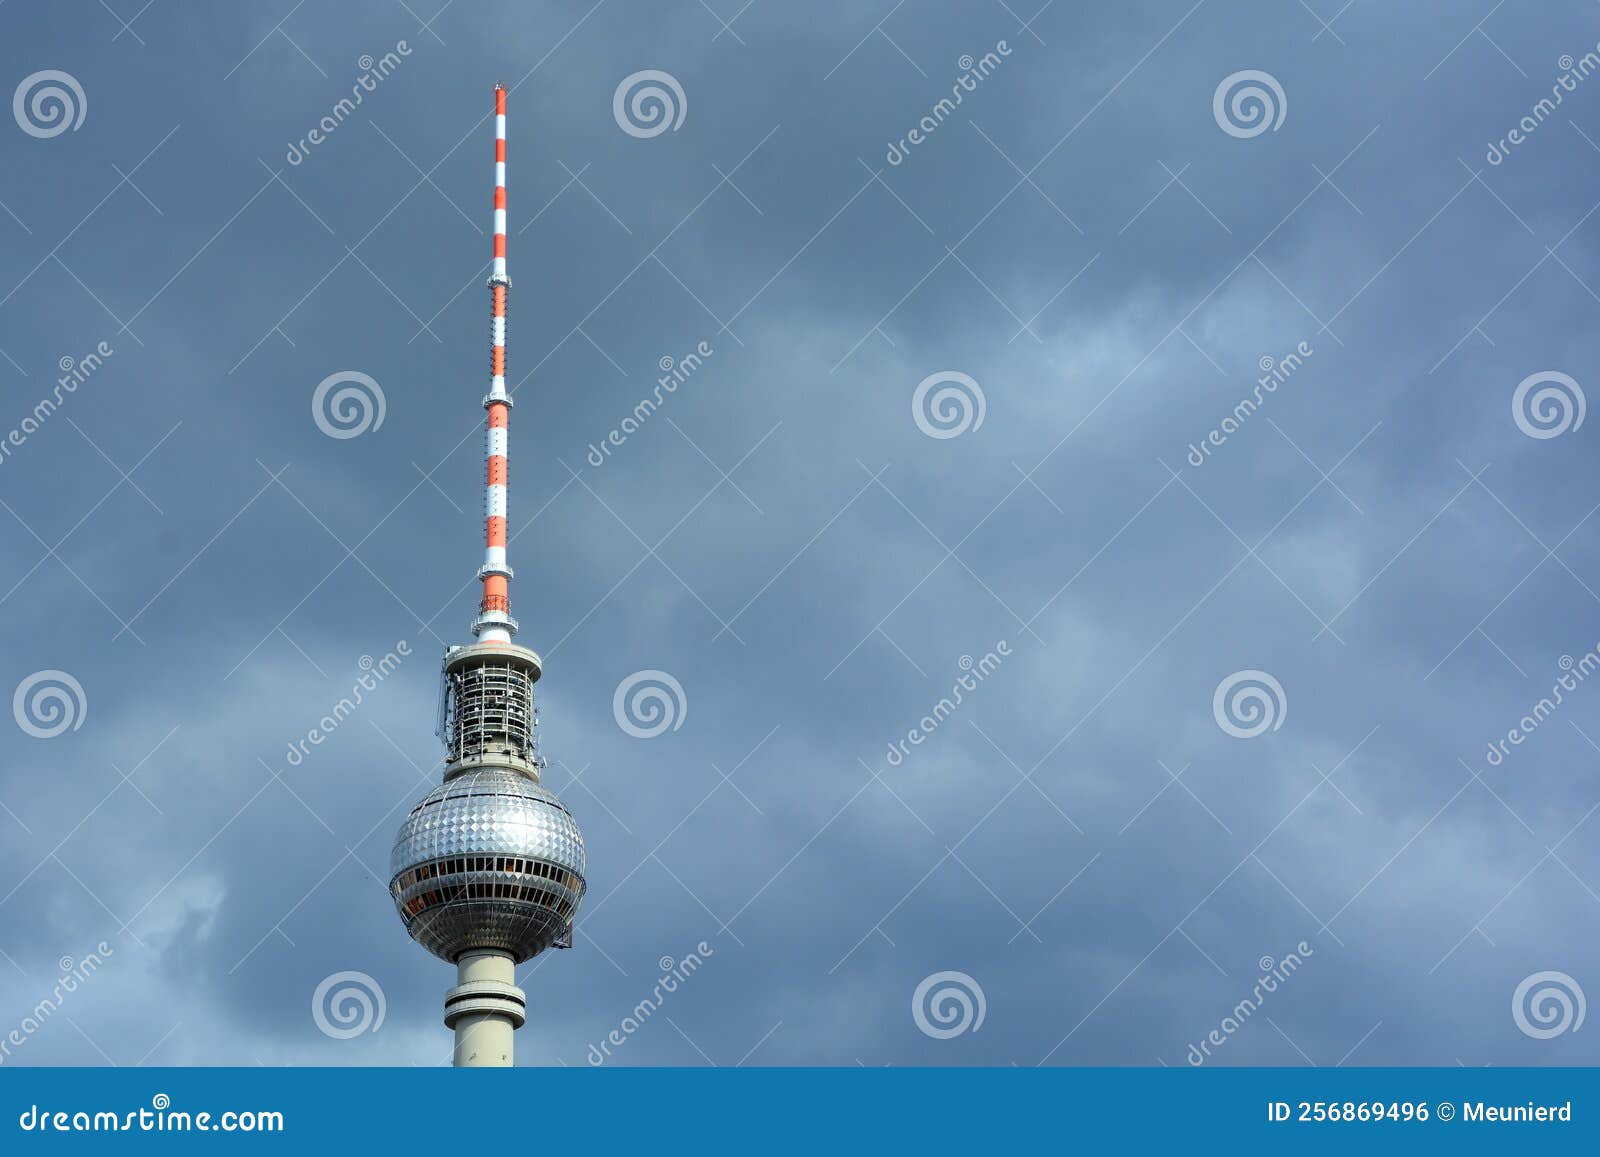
488	860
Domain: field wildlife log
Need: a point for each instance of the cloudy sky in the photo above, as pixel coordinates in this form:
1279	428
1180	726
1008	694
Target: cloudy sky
1243	687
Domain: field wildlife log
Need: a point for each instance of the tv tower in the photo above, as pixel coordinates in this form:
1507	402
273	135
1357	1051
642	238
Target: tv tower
487	871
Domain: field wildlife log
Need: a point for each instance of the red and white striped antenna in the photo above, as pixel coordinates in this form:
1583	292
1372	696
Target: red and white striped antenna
494	623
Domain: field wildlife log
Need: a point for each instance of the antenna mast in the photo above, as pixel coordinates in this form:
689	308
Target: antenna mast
494	623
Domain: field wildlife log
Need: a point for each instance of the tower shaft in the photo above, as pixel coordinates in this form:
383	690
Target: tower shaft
483	1009
494	623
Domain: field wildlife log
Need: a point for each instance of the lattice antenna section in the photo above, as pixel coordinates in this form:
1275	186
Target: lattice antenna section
489	715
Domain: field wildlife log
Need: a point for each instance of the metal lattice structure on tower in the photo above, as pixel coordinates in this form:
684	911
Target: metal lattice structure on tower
488	870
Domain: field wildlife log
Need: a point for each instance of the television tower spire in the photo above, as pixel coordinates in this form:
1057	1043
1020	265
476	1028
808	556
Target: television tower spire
488	870
494	623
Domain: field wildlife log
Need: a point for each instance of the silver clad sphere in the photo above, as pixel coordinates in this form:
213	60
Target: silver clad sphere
488	860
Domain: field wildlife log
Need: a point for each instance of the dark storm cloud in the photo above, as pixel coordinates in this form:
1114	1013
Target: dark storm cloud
1082	239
